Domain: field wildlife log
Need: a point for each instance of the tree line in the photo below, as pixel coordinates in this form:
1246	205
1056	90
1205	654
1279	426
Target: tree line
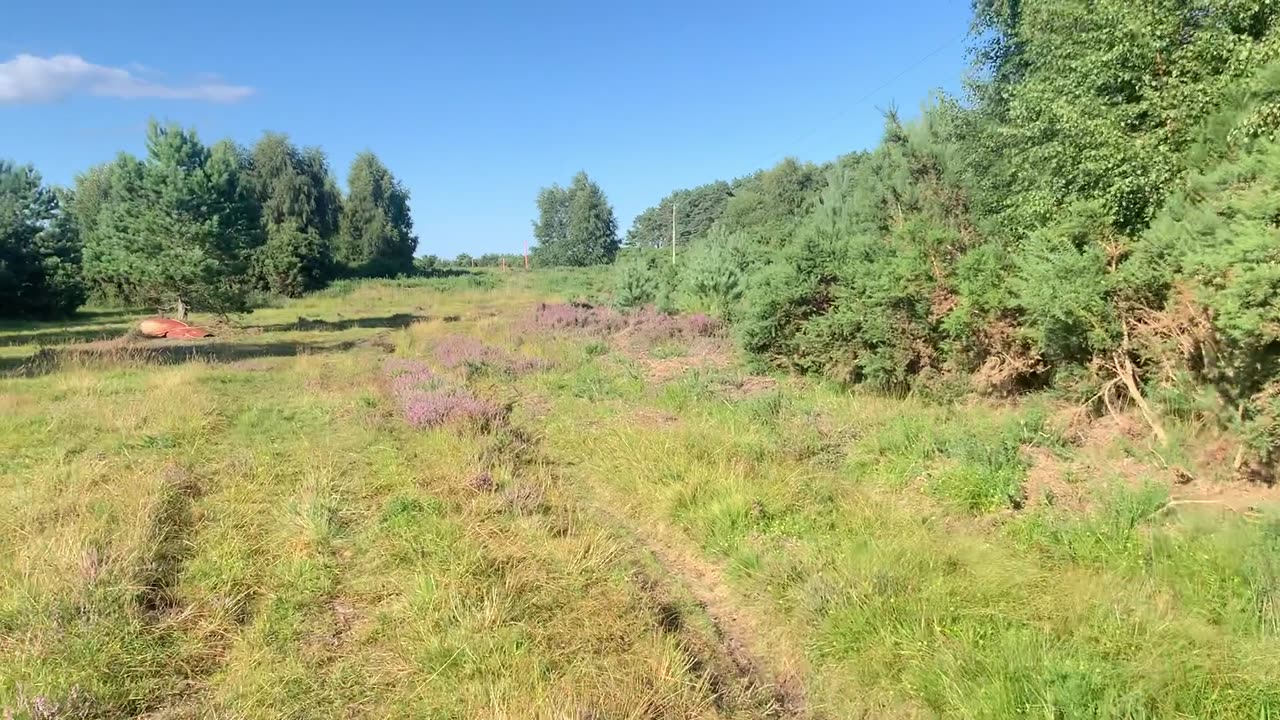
190	226
1098	213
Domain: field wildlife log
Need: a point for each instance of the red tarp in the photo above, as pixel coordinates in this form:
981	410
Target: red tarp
170	328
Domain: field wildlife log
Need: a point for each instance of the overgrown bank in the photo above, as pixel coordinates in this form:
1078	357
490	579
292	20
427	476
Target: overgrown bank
1098	217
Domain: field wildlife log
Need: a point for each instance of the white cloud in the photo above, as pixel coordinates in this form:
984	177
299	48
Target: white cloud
32	79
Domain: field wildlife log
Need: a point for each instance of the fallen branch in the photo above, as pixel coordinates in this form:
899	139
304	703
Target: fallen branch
1128	373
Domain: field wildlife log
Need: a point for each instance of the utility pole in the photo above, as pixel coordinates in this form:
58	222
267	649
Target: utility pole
673	232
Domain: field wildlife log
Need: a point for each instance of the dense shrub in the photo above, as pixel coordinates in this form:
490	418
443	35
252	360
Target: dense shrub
1100	214
713	278
638	281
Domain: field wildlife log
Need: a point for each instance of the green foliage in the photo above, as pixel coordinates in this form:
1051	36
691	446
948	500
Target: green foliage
636	282
575	226
695	212
1099	101
219	228
293	261
551	229
714	274
176	229
645	277
770	204
376	232
1206	273
592	285
39	247
1060	284
1099	214
855	294
300	209
492	260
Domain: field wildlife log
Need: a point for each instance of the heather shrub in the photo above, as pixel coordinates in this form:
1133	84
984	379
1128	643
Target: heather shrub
576	317
646	323
426	400
456	351
441	406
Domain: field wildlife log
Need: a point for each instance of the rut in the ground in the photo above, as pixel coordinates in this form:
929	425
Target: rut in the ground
169	529
690	603
740	634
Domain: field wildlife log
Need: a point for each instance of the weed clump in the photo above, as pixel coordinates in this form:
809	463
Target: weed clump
482	482
525	499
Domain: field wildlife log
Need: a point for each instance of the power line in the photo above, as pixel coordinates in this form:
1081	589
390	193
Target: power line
840	116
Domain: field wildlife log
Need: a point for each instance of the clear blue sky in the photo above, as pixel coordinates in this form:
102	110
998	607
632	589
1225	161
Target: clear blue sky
476	105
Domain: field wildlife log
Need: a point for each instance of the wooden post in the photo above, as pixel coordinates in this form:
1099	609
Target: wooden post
673	232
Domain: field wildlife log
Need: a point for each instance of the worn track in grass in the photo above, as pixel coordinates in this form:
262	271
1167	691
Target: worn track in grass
743	640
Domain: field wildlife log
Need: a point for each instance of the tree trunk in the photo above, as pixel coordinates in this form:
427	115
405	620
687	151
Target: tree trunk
181	309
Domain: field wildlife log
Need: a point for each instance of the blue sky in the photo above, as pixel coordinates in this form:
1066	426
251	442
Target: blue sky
476	105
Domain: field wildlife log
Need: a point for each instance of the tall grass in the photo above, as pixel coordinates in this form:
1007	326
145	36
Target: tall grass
256	532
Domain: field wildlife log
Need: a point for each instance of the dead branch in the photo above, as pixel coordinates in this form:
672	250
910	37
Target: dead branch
1128	373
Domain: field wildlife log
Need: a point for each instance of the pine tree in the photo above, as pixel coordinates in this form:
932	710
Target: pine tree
176	230
299	215
376	238
39	248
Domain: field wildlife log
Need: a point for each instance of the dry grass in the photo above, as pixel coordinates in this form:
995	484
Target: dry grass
246	526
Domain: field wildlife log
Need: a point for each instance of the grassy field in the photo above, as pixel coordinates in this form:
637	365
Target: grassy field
439	498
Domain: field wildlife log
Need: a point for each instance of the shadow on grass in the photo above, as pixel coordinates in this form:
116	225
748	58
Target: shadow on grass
110	314
62	336
447	272
161	352
390	322
83	326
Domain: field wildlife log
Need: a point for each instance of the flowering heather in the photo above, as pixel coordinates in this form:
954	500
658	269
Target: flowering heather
406	377
580	317
426	400
459	350
701	325
645	322
443	406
